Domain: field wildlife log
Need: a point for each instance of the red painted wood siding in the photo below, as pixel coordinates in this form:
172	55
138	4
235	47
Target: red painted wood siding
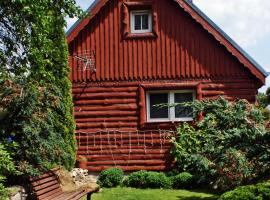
108	118
109	103
182	49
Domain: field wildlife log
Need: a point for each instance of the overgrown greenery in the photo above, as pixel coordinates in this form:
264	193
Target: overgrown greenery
259	191
111	177
264	99
183	180
230	146
36	119
147	179
6	167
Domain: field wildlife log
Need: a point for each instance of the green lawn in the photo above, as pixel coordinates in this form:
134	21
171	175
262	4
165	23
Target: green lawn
151	194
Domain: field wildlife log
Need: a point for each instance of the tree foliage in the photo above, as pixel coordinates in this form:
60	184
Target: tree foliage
6	166
228	147
264	99
35	91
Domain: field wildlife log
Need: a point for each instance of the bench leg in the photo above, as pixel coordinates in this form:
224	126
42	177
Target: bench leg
89	196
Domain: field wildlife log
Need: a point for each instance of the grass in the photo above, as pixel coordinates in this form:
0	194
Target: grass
151	194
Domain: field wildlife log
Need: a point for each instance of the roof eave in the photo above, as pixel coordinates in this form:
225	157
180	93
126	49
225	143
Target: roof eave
97	4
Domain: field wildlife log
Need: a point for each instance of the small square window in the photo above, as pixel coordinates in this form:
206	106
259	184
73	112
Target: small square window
141	21
166	113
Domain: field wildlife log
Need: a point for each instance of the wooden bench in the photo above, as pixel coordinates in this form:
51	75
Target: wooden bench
47	187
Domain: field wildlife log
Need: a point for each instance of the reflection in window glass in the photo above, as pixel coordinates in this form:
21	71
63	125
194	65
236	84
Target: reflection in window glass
144	22
181	111
157	112
137	22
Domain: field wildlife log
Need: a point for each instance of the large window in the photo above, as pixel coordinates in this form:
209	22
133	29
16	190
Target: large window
166	113
141	21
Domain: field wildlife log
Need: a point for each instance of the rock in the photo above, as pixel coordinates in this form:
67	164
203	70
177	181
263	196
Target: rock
81	176
17	193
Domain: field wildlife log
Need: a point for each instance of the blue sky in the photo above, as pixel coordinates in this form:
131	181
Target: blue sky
245	21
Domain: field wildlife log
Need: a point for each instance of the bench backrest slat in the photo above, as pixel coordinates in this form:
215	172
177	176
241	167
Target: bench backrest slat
43	181
46	185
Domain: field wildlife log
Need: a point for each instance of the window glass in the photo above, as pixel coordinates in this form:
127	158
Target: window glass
181	111
145	22
157	112
137	24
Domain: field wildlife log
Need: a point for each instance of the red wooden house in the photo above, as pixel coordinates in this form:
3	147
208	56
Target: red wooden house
129	55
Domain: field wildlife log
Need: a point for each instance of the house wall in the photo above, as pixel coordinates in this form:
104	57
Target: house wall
182	49
112	130
109	103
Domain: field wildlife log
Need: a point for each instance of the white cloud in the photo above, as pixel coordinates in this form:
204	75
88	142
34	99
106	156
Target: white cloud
246	21
70	22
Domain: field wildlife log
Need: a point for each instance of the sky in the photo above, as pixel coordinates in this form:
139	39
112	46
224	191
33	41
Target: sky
245	21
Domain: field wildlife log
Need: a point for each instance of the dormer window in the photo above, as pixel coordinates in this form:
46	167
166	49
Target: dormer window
141	21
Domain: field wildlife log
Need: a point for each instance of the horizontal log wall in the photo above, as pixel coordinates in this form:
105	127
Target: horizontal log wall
108	118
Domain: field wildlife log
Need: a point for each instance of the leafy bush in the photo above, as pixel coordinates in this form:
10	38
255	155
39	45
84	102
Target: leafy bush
144	179
230	146
183	180
260	191
41	126
111	177
6	167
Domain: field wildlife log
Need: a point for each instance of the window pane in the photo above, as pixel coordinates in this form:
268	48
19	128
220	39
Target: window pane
181	111
137	22
157	112
145	22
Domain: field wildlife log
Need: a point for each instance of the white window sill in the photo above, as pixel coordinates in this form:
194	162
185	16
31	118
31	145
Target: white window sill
171	121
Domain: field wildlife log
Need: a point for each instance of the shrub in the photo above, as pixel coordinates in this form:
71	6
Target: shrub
3	192
6	167
111	177
183	180
228	147
260	191
144	179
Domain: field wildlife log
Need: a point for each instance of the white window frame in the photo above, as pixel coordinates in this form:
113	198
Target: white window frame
171	110
132	21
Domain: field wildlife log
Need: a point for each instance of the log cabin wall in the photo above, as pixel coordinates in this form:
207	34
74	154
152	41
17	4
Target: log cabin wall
108	103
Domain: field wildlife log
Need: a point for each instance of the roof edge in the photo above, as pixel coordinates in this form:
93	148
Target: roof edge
88	10
95	6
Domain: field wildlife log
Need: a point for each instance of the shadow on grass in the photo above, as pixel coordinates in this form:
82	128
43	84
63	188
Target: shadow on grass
197	198
215	194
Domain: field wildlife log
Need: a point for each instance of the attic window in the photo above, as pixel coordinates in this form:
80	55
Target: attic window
141	21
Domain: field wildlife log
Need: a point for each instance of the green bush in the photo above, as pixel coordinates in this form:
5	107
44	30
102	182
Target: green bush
111	177
41	126
229	147
6	167
144	179
183	180
260	191
3	192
